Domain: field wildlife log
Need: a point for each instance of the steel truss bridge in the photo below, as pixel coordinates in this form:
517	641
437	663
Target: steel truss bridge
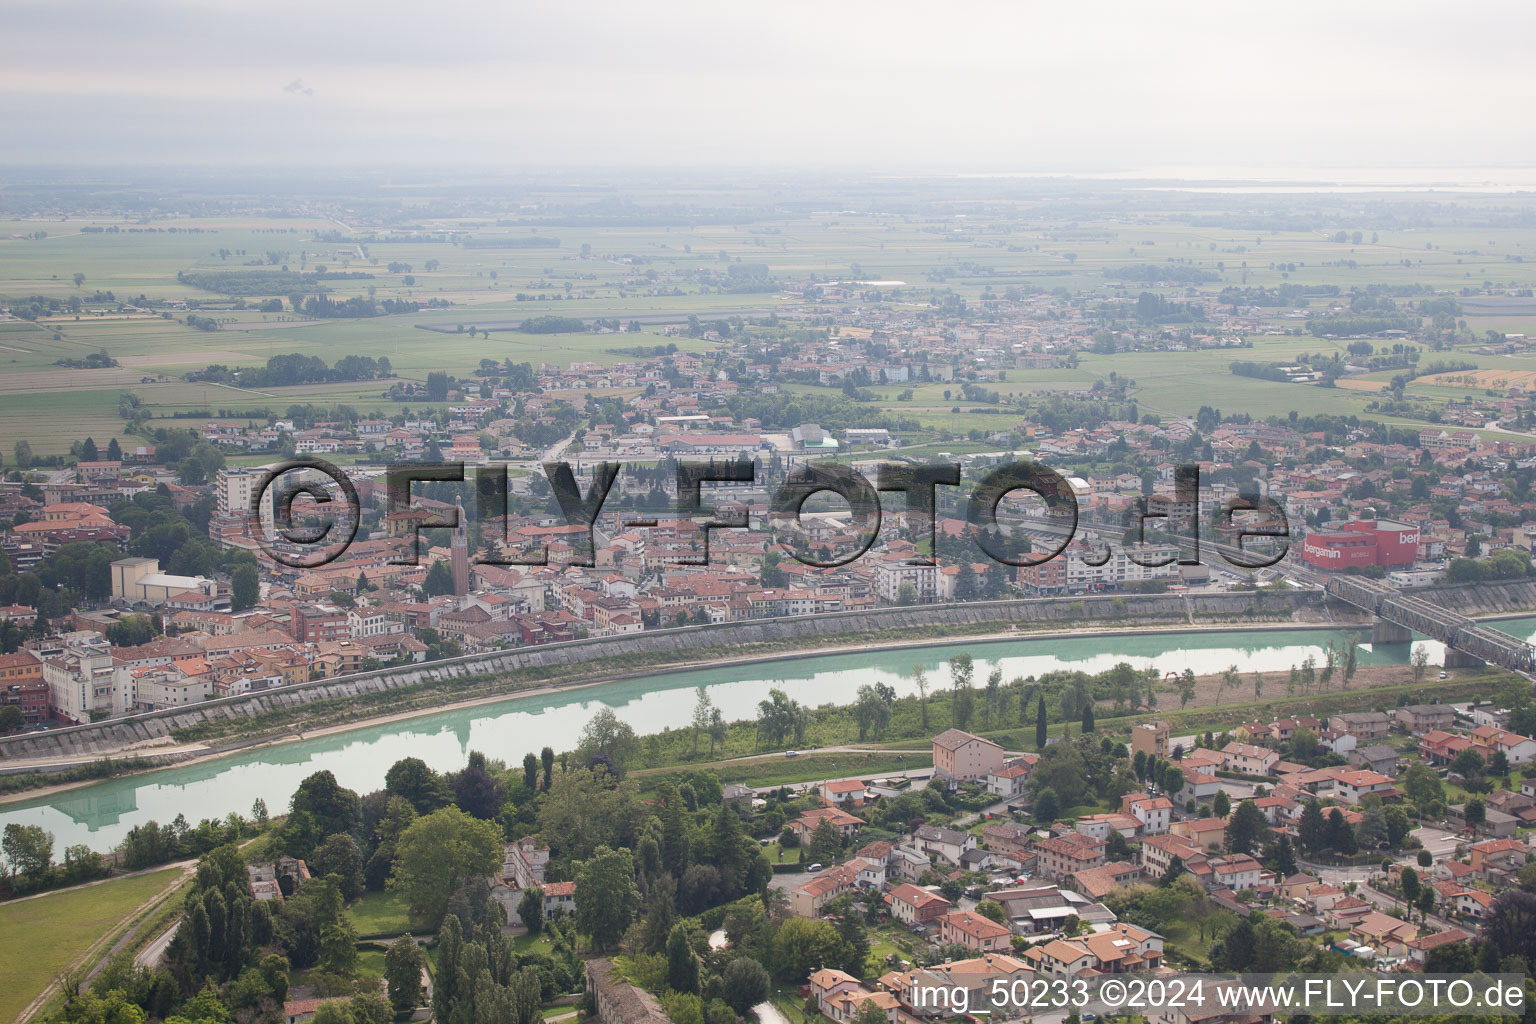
1454	630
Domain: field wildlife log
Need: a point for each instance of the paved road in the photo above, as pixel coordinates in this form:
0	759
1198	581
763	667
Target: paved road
151	954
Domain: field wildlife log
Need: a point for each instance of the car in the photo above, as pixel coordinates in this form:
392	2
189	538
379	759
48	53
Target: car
814	868
1445	675
791	753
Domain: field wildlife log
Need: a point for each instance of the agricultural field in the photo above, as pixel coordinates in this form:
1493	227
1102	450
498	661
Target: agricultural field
969	248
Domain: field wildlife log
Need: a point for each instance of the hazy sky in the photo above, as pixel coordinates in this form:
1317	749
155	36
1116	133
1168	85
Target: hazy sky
899	86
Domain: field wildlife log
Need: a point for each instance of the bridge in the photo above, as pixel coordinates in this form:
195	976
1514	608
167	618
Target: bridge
1467	643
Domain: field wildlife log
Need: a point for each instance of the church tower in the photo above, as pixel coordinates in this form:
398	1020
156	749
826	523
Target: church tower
459	550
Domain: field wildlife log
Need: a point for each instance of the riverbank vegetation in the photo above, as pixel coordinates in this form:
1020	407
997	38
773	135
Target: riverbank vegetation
436	693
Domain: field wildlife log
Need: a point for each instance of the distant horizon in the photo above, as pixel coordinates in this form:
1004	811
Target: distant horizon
1472	177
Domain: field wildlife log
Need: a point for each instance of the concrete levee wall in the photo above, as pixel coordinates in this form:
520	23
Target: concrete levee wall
698	645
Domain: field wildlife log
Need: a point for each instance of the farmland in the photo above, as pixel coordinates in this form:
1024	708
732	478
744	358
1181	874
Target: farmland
965	245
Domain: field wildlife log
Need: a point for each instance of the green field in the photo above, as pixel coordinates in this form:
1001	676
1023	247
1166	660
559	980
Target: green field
380	914
625	271
41	938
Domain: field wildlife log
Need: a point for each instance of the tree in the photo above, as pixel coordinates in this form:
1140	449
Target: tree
1282	857
1088	717
531	772
333	807
1426	900
79	278
1221	804
403	964
1312	830
1475	812
744	984
1340	837
1410	882
411	779
1426	859
993	910
1047	808
476	790
1246	827
682	962
530	909
339	856
803	945
439	579
826	842
11	718
920	680
1511	924
1468	764
607	740
1421	785
1186	687
962	698
547	762
1040	726
1420	661
439	852
606	896
245	587
701	715
28	850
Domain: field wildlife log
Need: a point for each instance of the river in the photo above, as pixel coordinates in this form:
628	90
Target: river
102	813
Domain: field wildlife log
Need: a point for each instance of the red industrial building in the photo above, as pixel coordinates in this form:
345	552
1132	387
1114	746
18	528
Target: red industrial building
1363	542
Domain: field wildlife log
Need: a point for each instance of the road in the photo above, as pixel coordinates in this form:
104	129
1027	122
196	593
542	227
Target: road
149	957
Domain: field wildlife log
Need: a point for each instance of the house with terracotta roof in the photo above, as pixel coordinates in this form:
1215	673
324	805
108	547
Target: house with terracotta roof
1122	948
843	793
1490	739
1419	948
1498	861
1248	758
807	899
1099	826
959	756
1060	856
1438	747
913	906
1388	936
1202	833
846	824
1012	779
559	898
1096	883
975	932
1152	812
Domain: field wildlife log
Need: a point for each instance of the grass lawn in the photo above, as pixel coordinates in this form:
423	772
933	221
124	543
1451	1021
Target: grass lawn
380	913
370	963
1184	936
40	938
533	944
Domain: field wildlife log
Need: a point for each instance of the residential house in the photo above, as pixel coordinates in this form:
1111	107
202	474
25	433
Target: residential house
1063	855
1419	719
969	929
1248	758
944	843
961	757
913	906
1363	725
1154	813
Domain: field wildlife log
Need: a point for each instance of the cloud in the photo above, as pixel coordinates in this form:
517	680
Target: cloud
877	84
